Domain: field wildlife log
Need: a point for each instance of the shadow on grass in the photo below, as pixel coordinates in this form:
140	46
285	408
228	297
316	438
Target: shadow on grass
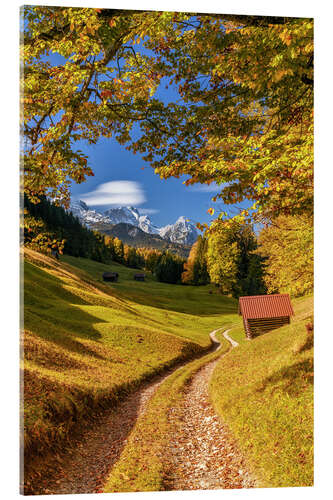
97	440
197	301
46	287
308	344
51	313
291	380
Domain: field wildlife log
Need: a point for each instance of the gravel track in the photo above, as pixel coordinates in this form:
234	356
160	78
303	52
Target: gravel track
202	455
86	466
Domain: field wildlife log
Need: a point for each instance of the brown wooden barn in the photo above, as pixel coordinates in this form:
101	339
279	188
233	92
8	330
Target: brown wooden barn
109	276
139	276
262	313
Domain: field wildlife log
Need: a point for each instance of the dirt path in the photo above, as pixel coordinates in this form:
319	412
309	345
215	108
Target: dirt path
85	468
229	339
201	453
195	451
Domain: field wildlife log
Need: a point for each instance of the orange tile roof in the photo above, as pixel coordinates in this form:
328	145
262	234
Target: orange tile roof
265	306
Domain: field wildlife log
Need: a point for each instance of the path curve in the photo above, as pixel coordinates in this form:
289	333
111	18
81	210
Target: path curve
201	453
86	467
229	339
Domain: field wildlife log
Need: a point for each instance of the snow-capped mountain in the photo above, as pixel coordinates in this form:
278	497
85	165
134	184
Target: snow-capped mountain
147	226
86	215
128	215
183	231
131	215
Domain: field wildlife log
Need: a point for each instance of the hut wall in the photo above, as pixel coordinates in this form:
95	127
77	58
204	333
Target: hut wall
110	278
256	326
247	328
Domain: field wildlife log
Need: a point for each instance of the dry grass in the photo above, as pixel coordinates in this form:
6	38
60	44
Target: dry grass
87	343
269	402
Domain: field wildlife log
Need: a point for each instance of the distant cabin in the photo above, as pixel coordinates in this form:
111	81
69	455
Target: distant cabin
55	254
262	313
139	277
108	276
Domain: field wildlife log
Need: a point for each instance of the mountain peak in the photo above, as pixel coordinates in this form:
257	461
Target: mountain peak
182	219
182	231
80	204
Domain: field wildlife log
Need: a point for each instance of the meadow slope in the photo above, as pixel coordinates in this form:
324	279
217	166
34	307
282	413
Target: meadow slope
87	343
268	406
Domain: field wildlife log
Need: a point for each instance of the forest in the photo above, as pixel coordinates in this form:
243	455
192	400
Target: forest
236	260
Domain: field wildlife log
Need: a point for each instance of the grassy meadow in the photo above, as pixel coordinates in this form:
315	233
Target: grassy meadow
268	406
262	391
86	343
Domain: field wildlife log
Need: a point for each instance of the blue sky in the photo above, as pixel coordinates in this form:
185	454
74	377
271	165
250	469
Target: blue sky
124	179
164	200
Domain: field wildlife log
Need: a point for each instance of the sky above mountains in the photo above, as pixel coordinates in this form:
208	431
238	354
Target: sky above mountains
124	179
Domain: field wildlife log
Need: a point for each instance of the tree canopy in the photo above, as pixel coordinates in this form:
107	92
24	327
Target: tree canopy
232	261
243	118
287	244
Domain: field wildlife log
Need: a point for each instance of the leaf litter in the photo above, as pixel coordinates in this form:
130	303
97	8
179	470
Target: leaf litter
202	454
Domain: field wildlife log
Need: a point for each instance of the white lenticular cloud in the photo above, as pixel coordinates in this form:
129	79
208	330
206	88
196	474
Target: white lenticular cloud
119	193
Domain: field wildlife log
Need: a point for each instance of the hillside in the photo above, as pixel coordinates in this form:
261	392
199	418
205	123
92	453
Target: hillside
269	402
136	237
86	343
262	391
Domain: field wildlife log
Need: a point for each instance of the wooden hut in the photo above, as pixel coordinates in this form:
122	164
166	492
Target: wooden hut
262	313
55	253
139	277
108	276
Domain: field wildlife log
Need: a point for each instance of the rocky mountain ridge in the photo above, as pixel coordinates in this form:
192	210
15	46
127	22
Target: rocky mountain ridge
182	231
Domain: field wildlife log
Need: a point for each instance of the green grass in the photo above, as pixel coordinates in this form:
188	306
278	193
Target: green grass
141	465
87	343
192	300
268	406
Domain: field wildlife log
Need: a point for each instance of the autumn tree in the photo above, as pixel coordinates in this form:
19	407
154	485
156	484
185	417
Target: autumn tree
108	241
118	250
287	245
222	258
243	120
151	258
195	268
187	275
131	257
250	265
100	88
232	261
251	81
